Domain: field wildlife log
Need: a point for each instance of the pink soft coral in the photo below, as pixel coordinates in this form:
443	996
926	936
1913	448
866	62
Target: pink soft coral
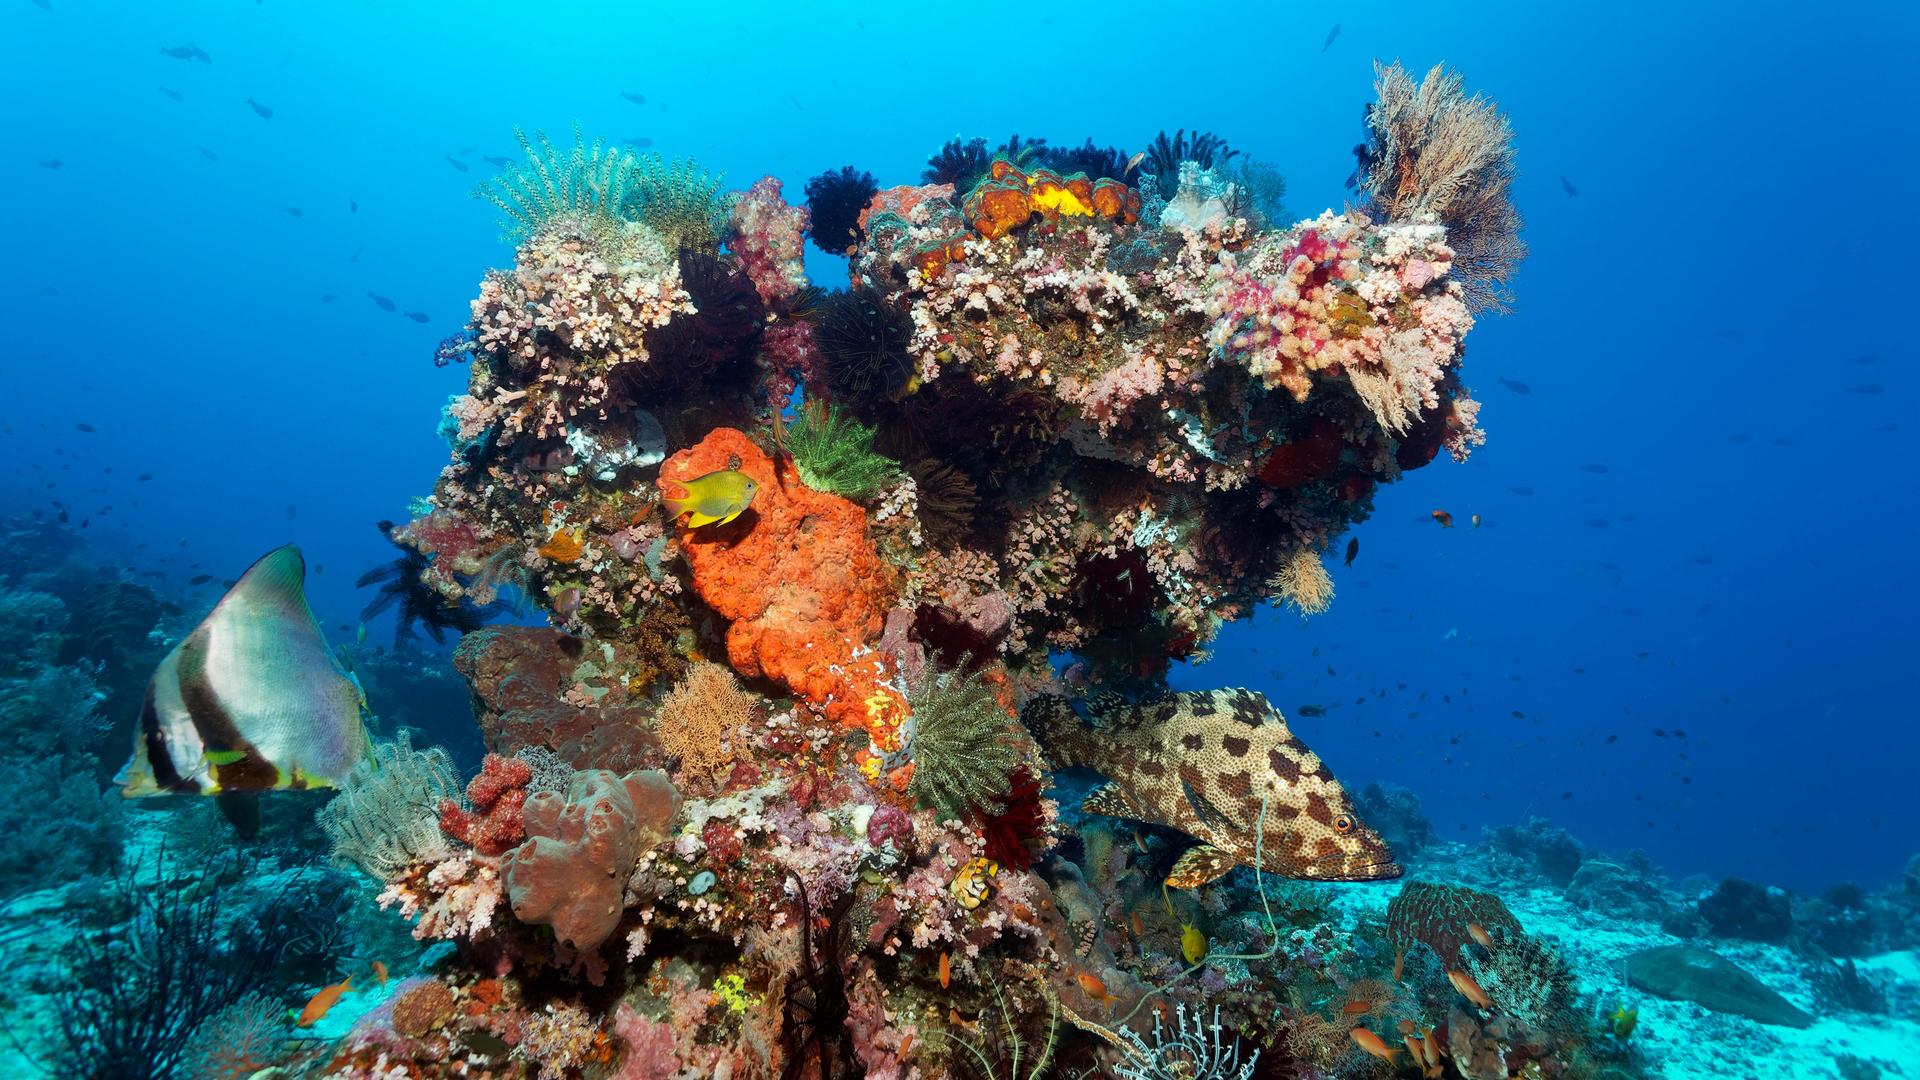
650	1052
770	239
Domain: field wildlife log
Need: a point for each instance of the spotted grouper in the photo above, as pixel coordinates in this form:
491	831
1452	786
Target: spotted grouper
1202	763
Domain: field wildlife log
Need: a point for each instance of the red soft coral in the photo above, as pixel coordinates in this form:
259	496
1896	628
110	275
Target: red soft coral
498	794
1013	833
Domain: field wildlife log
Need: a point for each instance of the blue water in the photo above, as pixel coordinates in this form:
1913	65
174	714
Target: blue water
1708	319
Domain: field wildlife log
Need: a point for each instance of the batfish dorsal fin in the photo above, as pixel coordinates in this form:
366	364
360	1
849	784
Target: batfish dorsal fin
275	582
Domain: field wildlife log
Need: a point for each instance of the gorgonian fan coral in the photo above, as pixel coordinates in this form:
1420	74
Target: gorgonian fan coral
1433	150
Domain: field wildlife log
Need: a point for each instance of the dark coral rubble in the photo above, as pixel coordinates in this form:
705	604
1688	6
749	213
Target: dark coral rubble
759	801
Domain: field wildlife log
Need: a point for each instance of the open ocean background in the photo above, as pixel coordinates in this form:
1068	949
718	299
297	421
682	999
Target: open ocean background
1697	495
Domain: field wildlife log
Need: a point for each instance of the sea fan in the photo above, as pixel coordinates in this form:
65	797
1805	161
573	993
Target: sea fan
1433	149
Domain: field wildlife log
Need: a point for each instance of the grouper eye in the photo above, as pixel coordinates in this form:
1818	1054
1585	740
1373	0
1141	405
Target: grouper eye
1343	823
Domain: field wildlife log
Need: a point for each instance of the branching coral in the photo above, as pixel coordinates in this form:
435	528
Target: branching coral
835	454
965	746
573	310
1432	149
702	716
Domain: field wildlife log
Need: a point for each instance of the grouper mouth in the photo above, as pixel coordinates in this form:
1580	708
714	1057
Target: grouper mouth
1364	866
1371	871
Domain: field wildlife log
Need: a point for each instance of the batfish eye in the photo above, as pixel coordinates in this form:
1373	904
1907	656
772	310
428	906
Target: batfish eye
1343	823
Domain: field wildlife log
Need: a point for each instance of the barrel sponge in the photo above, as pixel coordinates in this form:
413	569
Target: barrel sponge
582	846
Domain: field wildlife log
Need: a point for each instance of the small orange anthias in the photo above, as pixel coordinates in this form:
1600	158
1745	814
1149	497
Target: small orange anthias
1096	988
1469	989
1445	519
319	1004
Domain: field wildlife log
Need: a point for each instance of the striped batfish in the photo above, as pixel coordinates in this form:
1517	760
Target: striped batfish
252	700
1206	763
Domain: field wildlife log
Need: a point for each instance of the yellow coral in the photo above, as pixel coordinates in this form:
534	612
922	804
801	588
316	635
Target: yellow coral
731	990
1058	199
564	546
701	715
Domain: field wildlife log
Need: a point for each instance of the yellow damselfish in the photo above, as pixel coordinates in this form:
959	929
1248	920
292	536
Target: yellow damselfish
713	499
1193	943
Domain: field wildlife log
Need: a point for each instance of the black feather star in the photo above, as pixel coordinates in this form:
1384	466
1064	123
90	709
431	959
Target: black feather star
403	587
834	202
1205	149
961	162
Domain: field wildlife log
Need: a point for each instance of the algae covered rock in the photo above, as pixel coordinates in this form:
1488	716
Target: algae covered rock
1745	909
1704	977
1609	888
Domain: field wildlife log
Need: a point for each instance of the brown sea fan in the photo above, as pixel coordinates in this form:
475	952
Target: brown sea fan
1432	149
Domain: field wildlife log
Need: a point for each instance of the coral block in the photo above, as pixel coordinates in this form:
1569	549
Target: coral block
801	582
572	870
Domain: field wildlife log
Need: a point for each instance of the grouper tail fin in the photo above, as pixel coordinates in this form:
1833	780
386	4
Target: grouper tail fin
1057	728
